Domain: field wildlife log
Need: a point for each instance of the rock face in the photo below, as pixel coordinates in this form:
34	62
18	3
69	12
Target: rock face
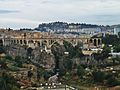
38	56
58	51
43	58
16	50
53	79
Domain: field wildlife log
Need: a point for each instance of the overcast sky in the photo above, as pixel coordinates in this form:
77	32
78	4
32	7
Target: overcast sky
29	13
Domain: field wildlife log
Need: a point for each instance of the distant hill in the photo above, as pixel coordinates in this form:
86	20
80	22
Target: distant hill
63	25
118	25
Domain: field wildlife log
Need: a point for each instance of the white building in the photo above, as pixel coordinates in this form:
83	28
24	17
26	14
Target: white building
91	31
116	30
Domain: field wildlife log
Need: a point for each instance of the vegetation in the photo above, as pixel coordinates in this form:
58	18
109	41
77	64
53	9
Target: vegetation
111	40
7	82
98	76
80	71
2	50
68	64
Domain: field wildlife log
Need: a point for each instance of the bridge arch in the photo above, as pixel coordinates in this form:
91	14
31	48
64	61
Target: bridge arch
17	41
53	42
25	42
37	43
91	41
1	42
21	42
30	41
95	42
99	41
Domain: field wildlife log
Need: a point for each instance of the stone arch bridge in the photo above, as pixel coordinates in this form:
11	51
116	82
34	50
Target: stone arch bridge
48	42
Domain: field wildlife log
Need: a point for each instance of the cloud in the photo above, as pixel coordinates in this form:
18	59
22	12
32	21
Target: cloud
8	11
18	20
46	1
17	23
32	11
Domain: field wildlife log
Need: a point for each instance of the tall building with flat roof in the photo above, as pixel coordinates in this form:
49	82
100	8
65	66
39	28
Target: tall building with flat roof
116	30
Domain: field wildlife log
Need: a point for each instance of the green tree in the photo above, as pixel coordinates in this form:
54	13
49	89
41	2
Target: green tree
29	51
78	51
98	76
111	81
110	40
8	57
68	64
117	48
2	50
19	61
97	56
73	51
7	82
118	59
119	34
3	65
80	71
69	48
103	55
46	75
30	74
105	52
